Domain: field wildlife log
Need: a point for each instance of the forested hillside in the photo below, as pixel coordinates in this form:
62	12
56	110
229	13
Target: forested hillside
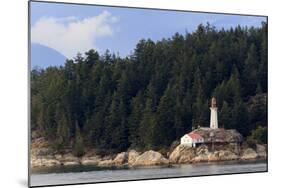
154	96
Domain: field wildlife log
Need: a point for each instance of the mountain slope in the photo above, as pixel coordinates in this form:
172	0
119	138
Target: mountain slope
43	56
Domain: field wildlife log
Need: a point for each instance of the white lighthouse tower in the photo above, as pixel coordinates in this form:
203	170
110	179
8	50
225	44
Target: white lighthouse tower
214	114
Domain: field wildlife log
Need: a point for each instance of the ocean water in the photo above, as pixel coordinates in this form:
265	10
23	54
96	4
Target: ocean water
93	174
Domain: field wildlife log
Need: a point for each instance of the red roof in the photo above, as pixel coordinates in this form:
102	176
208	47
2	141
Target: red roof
195	136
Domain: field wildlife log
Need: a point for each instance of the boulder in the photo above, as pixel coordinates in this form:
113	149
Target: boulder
202	150
200	158
43	151
132	156
50	162
69	157
38	162
58	157
107	157
248	154
70	163
106	163
182	154
49	157
121	158
39	143
226	155
150	158
261	151
202	154
94	160
213	156
35	162
222	155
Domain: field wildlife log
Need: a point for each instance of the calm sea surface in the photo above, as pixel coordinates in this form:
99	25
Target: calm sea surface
88	174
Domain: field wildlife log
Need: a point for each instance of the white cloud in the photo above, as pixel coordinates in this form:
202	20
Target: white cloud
70	35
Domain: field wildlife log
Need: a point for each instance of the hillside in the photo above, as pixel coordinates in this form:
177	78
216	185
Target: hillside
154	96
219	135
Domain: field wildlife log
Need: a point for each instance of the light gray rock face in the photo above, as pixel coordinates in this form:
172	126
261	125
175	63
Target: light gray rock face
43	152
93	160
182	154
121	158
185	154
226	155
214	156
50	162
106	163
107	157
261	151
37	162
220	135
248	154
202	154
41	155
202	150
58	156
150	158
69	159
132	156
70	163
222	155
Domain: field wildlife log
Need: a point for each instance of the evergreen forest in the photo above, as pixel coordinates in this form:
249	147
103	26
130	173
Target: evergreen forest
155	95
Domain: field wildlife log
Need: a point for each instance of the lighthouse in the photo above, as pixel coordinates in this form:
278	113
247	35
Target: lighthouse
214	114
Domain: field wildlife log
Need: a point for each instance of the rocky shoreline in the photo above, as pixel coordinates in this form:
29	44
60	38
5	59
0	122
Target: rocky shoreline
42	157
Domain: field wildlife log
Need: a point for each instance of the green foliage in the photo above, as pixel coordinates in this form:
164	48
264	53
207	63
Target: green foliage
240	118
153	97
164	131
252	143
78	149
225	116
259	135
250	72
147	126
63	134
137	108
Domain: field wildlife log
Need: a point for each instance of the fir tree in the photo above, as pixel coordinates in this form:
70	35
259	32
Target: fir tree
78	149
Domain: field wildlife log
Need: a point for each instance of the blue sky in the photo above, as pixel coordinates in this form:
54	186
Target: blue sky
69	28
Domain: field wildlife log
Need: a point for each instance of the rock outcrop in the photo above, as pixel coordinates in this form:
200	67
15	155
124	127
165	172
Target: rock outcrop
132	156
222	155
249	154
93	160
150	158
69	159
121	159
106	163
42	155
38	162
185	154
70	163
226	155
182	154
202	154
219	135
261	151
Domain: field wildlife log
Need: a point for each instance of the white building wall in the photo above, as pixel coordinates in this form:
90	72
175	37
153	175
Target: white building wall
214	118
186	140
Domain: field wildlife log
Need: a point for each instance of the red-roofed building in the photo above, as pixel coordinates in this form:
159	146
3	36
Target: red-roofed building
192	139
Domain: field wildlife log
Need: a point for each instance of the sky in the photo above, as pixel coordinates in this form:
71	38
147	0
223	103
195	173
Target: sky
69	28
